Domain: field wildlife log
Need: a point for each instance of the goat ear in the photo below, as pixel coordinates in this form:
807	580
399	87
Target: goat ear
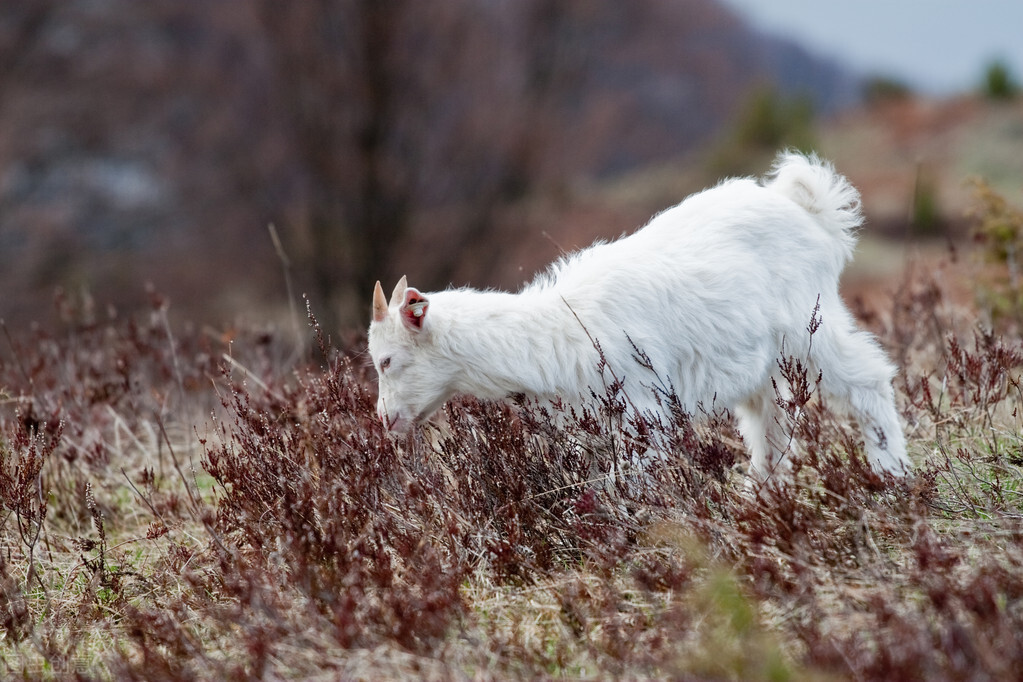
413	309
399	291
379	303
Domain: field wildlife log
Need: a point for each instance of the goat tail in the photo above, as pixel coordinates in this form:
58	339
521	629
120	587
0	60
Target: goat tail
828	196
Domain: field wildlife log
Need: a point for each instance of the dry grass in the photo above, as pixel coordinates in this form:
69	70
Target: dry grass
176	505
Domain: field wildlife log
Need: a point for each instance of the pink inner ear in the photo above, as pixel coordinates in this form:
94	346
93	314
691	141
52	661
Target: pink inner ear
413	310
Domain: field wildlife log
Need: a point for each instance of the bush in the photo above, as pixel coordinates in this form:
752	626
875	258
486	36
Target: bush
926	214
282	534
880	89
767	122
999	83
998	230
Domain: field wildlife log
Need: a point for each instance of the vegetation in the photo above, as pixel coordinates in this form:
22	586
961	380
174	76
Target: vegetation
999	83
880	89
998	229
189	505
769	121
926	210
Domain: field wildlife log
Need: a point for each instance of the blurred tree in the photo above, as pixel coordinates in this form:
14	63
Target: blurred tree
925	214
771	120
550	50
998	81
20	24
767	123
399	108
881	89
343	91
998	229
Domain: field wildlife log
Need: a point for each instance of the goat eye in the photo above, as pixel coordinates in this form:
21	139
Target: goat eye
385	363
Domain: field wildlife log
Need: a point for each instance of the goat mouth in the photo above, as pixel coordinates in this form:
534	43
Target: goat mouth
402	424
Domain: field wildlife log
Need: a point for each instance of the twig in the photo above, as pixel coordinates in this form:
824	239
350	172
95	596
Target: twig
143	498
286	267
191	496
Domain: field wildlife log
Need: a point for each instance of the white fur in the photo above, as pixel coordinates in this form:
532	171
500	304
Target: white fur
714	290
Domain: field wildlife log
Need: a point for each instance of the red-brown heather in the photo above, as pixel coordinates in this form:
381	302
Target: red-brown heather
184	504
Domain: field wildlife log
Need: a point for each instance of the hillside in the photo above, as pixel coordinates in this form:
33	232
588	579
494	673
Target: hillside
896	148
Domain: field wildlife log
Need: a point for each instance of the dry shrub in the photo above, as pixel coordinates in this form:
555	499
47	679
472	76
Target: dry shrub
188	506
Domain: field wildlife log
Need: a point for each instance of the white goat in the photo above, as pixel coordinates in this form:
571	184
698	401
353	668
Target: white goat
714	291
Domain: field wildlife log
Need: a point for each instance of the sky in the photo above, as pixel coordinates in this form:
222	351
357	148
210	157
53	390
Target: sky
936	46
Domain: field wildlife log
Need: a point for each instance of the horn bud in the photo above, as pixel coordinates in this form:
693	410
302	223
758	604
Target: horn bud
379	303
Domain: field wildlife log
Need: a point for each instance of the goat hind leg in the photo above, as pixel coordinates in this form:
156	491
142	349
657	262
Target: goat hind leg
763	427
857	372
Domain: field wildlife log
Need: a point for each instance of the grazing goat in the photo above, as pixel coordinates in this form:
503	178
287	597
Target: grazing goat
713	292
